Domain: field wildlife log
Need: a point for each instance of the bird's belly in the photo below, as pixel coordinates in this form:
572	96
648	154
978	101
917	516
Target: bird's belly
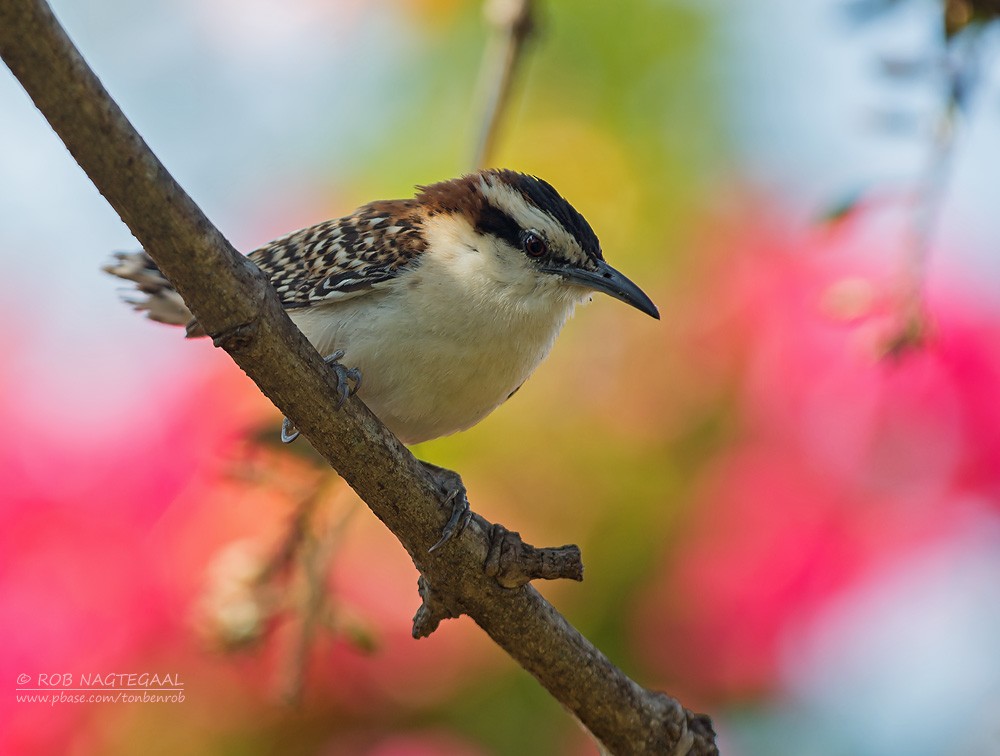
423	388
426	379
437	393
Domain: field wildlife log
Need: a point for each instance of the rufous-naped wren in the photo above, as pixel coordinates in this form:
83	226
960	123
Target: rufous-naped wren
445	303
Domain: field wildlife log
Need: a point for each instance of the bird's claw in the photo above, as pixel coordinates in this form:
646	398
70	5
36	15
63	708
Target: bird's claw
348	379
348	383
461	513
456	498
288	431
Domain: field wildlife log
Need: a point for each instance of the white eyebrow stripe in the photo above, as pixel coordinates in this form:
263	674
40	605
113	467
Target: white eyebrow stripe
524	213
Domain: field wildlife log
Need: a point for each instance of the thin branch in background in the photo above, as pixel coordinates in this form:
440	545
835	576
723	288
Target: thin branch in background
962	69
298	528
512	22
963	23
911	328
315	601
247	587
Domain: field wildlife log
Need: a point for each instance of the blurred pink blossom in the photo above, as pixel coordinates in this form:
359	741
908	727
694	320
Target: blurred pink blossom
84	587
836	458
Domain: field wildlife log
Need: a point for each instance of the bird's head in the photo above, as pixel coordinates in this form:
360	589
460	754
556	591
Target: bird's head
539	237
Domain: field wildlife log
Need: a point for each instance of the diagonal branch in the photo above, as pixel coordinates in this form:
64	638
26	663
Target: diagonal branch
237	306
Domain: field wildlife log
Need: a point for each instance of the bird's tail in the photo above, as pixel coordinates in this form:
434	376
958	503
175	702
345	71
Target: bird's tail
153	293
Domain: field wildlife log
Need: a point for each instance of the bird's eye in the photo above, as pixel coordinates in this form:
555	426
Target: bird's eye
534	245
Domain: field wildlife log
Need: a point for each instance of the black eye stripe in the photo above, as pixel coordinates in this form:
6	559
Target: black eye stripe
496	222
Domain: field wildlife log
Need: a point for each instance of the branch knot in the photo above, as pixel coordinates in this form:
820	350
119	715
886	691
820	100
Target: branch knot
237	337
434	608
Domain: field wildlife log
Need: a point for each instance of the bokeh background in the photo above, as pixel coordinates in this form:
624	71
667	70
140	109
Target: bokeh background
781	526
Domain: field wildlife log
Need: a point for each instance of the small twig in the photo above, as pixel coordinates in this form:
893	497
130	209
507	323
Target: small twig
513	563
513	22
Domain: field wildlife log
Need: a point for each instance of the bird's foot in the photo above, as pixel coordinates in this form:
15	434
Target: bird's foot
345	377
456	498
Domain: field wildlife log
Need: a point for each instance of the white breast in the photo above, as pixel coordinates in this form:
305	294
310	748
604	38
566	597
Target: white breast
449	341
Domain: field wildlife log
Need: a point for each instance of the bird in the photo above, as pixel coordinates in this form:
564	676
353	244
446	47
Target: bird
444	303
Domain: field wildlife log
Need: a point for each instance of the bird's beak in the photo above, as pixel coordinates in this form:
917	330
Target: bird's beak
611	282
